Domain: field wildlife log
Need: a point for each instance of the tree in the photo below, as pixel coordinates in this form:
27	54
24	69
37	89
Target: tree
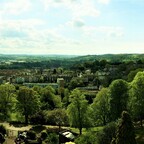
38	89
136	99
106	135
132	74
101	106
27	102
118	98
7	99
125	133
76	82
78	110
49	100
65	100
57	117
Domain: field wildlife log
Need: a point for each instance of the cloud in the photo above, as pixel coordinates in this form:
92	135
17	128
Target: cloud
78	8
18	28
84	8
109	31
104	1
15	7
27	37
78	23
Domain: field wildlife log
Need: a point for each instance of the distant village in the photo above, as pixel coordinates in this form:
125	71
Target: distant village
54	77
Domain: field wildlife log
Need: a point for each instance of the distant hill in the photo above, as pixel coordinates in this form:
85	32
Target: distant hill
65	61
111	57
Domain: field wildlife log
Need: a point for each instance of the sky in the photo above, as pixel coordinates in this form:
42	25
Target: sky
71	27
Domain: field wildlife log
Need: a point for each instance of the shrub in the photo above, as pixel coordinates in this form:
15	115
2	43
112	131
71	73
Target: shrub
107	134
44	135
125	131
31	135
2	139
88	138
38	118
52	139
38	128
2	130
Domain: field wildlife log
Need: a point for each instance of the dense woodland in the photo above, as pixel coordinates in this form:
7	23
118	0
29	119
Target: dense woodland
112	115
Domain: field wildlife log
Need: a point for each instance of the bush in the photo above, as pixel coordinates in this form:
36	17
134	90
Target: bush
38	128
88	138
38	118
31	135
44	135
52	139
57	117
2	139
32	142
107	134
2	130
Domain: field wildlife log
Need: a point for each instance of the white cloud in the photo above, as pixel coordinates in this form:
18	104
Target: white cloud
84	8
78	8
15	7
78	23
108	30
104	1
24	36
18	28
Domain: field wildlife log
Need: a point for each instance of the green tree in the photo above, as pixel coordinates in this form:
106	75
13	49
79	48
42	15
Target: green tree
57	117
101	106
89	137
106	135
65	100
118	98
27	102
38	89
125	133
7	98
49	100
78	110
136	99
132	74
76	82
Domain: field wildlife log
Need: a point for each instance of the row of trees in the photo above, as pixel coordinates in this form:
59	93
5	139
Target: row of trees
37	103
119	96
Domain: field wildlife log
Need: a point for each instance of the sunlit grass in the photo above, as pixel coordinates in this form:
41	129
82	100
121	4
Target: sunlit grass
84	130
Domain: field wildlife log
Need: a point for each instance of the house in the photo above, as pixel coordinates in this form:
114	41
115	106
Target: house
60	82
30	85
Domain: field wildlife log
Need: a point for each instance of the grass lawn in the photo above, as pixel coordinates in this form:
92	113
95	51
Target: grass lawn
84	130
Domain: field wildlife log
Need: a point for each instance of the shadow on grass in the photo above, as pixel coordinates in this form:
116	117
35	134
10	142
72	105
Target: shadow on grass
38	128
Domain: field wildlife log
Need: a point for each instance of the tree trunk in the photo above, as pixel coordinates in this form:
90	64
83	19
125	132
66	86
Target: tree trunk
104	120
26	119
80	131
141	123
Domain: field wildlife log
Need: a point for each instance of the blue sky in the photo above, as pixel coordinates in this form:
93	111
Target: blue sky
74	27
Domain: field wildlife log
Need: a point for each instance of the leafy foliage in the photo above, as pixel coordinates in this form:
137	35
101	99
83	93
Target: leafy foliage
27	102
7	100
49	99
88	138
101	106
106	135
118	98
136	100
2	130
78	111
125	133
